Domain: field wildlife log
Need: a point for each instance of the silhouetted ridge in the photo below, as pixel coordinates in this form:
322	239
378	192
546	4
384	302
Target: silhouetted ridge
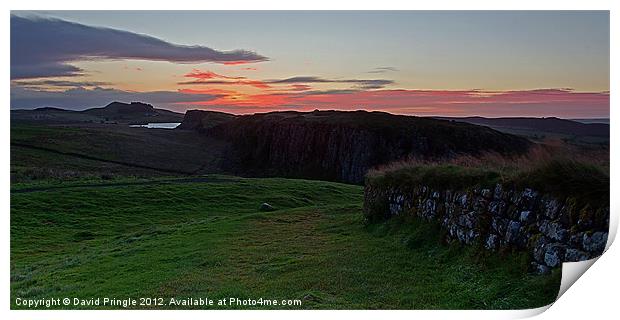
550	124
134	112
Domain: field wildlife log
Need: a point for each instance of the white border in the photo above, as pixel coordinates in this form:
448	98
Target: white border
592	296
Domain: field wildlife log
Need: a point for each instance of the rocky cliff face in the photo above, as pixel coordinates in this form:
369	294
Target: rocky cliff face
342	146
552	230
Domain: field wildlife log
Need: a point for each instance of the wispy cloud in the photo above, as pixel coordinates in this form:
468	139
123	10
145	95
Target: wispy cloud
212	78
361	83
60	83
46	47
382	70
202	75
243	82
298	82
539	102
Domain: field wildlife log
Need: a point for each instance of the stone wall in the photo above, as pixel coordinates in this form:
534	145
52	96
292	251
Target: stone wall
551	230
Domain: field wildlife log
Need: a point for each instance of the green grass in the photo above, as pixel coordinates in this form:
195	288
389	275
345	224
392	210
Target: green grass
30	166
443	176
67	152
561	177
209	239
587	183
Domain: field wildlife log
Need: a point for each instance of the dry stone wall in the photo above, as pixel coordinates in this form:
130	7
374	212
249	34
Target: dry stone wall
551	230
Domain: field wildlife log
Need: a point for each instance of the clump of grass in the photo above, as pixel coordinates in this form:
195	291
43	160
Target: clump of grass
585	182
544	168
83	235
445	176
508	165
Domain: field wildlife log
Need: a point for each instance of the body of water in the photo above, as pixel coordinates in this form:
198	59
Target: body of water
157	125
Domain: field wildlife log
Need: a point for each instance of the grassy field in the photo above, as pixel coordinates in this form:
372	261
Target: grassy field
76	151
207	238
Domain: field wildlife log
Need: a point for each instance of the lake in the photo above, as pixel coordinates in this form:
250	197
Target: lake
157	125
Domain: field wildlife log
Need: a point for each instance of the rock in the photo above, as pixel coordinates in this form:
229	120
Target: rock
554	254
498	225
553	230
497	207
498	192
428	210
540	247
526	216
595	243
396	203
512	232
466	236
449	209
468	220
491	242
512	213
311	297
525	199
266	207
529	193
480	204
576	240
463	200
550	208
540	268
574	255
486	193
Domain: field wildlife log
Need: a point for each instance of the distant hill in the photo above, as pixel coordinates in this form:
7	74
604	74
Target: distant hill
339	145
539	126
134	113
592	120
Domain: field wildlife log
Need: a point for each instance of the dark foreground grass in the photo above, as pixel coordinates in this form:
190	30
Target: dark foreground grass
209	240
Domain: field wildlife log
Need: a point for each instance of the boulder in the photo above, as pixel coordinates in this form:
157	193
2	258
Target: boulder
595	243
574	255
554	254
266	207
512	232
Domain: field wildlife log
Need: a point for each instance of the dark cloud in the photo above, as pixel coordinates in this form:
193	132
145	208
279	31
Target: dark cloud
359	83
82	98
60	83
45	47
383	70
373	84
300	79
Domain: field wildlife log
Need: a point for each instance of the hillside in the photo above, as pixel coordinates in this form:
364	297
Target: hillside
206	237
342	146
134	113
537	127
85	150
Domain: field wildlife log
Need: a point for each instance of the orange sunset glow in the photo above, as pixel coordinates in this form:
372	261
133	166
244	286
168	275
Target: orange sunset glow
507	67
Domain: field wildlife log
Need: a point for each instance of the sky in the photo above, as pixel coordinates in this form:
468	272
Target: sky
425	63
